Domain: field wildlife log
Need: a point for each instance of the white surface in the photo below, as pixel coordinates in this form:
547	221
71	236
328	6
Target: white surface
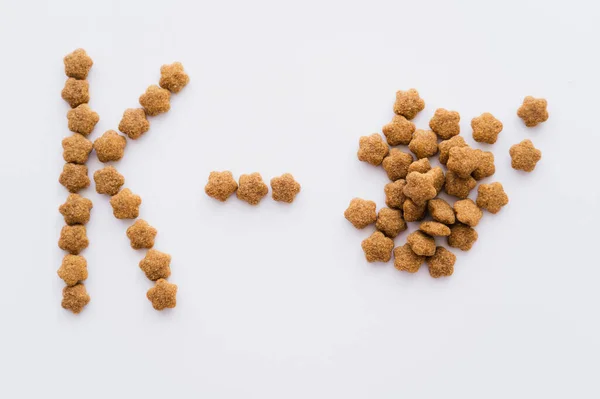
278	301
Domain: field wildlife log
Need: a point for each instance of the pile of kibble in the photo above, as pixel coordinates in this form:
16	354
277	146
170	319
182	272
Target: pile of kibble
412	194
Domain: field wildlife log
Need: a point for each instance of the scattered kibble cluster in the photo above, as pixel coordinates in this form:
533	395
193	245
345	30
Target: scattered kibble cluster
412	194
251	188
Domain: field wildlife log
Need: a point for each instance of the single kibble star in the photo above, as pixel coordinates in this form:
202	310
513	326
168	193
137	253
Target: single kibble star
74	177
485	165
457	186
76	210
77	64
533	111
73	239
252	189
394	194
155	100
285	188
221	185
141	234
110	146
361	213
524	156
73	269
421	243
408	103
399	131
441	263
82	119
468	212
108	180
162	295
378	247
173	78
390	222
76	92
134	123
75	298
446	124
421	166
463	161
76	149
424	144
491	197
125	204
156	265
462	236
372	149
406	260
419	187
486	128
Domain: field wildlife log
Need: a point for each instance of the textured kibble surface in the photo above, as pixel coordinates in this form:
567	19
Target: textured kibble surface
74	177
76	149
77	64
441	211
394	194
463	161
76	92
485	165
125	204
372	149
73	239
390	222
441	263
156	100
421	166
524	156
252	189
533	111
75	298
446	145
491	197
424	144
408	103
173	77
141	234
163	295
82	119
156	265
419	187
486	128
413	212
110	146
458	187
378	247
421	243
446	124
437	174
399	131
406	260
134	123
462	236
76	209
108	180
467	212
221	185
73	269
435	229
396	164
361	213
285	188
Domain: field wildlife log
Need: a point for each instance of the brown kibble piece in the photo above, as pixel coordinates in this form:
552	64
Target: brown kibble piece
463	161
75	298
155	100
76	210
252	189
446	124
73	269
74	177
173	77
424	144
134	123
441	211
156	265
73	239
486	128
491	197
467	212
438	177
76	149
141	234
163	295
462	236
421	166
408	103
396	164
78	64
435	229
361	213
394	194
82	119
110	146
125	204
372	149
108	180
390	222
220	185
446	145
413	212
419	187
533	111
378	247
485	165
406	260
284	188
441	263
76	92
399	131
421	243
458	187
524	156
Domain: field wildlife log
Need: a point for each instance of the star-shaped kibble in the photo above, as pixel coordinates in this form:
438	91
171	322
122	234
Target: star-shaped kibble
284	188
155	100
82	119
372	149
463	161
76	149
76	92
420	187
73	239
446	145
221	185
408	103
134	123
125	204
446	124
421	243
108	180
75	298
252	189
76	209
524	156
533	111
110	146
156	265
141	234
173	78
441	263
486	128
74	177
406	260
73	269
397	164
163	295
457	186
424	144
77	64
399	131
378	247
491	197
361	213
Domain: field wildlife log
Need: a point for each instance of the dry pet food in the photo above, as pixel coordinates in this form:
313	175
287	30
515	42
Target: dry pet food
458	187
424	144
406	260
134	123
125	204
75	298
437	174
173	78
421	166
73	239
441	263
421	243
446	124
524	156
76	92
110	146
252	189
435	229
361	213
155	100
413	212
485	165
73	269
156	265
491	197
446	145
78	64
408	103
399	131
82	119
74	177
76	210
372	149
76	149
390	222
394	194
378	247
108	180
163	295
486	128
220	185
396	164
284	188
441	211
463	161
419	187
467	212
141	234
462	236
533	111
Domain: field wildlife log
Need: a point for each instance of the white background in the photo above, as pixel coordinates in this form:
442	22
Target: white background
277	301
